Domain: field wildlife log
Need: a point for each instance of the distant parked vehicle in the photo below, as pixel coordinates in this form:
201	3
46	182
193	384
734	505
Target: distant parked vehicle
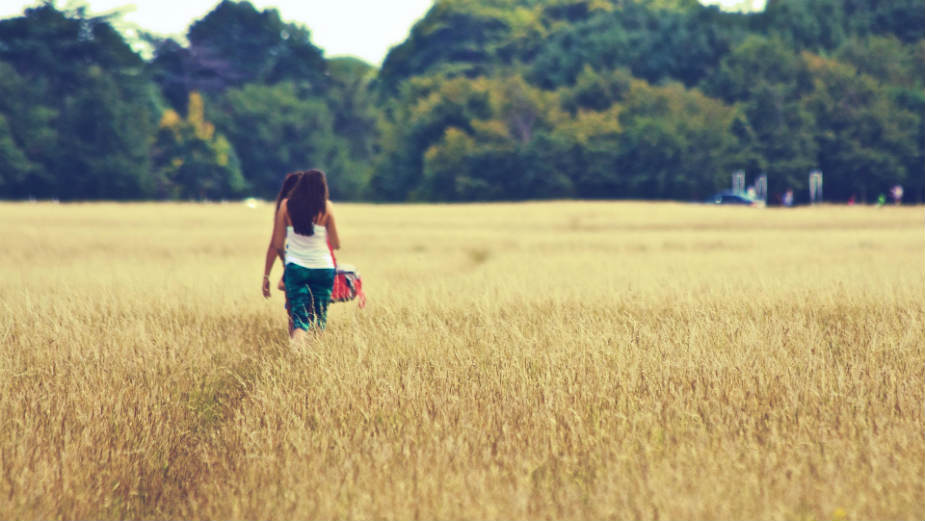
733	198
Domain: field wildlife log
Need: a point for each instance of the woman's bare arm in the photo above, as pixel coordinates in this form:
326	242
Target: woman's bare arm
277	246
331	226
279	229
271	253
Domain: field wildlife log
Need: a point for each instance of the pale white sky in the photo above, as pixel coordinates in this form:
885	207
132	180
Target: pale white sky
363	28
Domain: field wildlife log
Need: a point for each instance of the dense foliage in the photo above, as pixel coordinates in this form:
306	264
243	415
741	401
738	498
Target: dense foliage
485	100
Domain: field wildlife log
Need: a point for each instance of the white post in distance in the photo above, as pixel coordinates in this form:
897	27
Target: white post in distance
738	182
815	186
761	188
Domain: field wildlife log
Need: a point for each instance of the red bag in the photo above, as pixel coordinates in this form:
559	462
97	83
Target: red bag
348	284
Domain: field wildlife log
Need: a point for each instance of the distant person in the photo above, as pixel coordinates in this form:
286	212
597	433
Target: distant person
788	198
303	230
897	193
881	199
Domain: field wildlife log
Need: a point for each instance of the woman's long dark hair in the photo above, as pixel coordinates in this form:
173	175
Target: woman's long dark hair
288	183
307	200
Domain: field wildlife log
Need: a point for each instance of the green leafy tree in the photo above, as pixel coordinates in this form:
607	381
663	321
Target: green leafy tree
353	105
14	164
277	129
465	38
243	45
863	137
106	155
806	24
233	45
595	90
768	80
494	120
192	161
677	143
904	19
27	135
683	41
824	24
79	107
486	99
885	58
418	119
493	166
581	156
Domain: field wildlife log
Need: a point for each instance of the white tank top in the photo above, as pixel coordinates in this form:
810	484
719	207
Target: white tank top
308	251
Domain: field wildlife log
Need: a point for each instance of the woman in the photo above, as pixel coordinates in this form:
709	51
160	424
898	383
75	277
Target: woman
288	183
303	230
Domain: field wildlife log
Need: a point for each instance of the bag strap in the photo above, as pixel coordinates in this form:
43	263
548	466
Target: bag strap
333	257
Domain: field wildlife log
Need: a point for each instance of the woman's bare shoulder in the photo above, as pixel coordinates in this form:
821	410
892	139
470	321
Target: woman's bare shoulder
328	212
283	211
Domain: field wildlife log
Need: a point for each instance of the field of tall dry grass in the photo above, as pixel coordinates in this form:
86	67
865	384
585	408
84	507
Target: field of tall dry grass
547	360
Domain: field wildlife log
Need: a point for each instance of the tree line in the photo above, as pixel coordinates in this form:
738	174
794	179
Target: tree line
485	100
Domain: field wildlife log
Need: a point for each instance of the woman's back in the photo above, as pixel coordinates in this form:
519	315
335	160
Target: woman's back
308	251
